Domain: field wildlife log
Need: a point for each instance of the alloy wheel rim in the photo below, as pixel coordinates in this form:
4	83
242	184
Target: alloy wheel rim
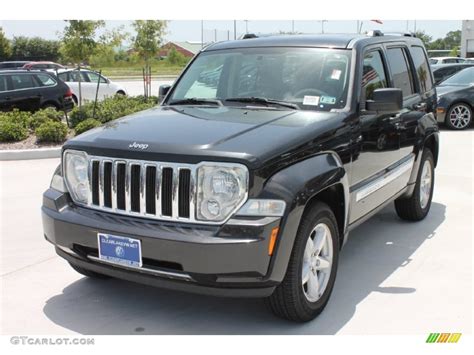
425	184
460	116
317	262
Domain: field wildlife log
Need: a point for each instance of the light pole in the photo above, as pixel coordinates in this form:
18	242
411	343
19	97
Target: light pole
202	34
292	26
235	29
322	25
246	26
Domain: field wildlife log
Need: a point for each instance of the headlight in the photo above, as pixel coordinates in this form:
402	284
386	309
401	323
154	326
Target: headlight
76	176
222	189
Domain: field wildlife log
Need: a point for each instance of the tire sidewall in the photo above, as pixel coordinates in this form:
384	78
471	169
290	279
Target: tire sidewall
321	216
448	120
427	155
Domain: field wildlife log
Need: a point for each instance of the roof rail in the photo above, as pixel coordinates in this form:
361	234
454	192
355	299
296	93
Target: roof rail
402	33
249	35
375	33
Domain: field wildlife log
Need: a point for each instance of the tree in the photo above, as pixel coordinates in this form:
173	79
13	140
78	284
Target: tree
452	39
5	48
79	43
148	38
176	58
425	38
35	48
79	40
107	45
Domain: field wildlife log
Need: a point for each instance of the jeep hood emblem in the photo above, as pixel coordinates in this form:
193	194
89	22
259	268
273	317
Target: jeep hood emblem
136	145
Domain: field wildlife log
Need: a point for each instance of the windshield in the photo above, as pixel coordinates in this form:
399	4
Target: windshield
308	78
464	77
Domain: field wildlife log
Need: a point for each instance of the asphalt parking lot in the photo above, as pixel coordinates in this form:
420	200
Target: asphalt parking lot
394	277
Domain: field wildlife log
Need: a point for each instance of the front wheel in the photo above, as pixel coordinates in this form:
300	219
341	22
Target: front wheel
459	116
417	206
311	273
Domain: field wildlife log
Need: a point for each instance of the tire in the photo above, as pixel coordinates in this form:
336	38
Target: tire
88	273
417	206
293	299
120	93
461	116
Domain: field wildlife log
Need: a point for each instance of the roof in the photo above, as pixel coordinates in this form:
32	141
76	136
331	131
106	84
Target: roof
448	65
340	41
193	47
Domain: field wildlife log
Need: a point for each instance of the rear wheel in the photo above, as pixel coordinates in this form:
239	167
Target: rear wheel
417	206
49	105
459	116
311	273
88	273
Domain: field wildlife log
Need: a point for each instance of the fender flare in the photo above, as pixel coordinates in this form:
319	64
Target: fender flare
297	185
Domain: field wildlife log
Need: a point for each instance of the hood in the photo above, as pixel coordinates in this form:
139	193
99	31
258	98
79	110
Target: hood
194	134
446	89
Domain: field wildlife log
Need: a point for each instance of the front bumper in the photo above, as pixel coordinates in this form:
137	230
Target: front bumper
229	260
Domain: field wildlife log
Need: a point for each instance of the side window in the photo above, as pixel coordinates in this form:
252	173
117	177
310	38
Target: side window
421	68
23	81
94	77
3	83
63	76
400	70
45	80
373	75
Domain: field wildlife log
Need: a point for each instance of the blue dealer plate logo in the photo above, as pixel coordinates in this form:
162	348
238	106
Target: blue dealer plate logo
120	250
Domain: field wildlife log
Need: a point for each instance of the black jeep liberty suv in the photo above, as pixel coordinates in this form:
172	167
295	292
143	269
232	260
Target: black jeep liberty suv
247	179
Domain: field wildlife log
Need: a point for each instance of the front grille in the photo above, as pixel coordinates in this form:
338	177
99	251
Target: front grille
143	188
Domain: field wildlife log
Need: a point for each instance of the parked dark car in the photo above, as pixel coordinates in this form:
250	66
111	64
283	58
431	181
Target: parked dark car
33	90
247	180
43	66
12	65
443	71
456	100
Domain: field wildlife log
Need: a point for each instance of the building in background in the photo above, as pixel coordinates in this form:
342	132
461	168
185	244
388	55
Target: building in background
188	49
467	39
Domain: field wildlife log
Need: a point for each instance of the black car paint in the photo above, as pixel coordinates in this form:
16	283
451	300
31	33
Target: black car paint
444	71
33	99
292	155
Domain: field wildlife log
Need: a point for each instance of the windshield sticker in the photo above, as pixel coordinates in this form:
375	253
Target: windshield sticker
311	100
328	100
336	74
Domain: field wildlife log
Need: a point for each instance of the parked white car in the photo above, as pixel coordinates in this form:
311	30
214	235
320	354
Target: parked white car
446	60
89	80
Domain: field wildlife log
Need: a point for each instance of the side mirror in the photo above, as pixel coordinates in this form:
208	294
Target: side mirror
385	100
162	92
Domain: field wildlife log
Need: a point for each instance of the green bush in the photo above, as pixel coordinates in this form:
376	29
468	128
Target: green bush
13	126
86	125
12	131
51	132
45	115
111	108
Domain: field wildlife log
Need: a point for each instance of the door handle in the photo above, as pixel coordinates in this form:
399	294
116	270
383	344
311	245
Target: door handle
420	106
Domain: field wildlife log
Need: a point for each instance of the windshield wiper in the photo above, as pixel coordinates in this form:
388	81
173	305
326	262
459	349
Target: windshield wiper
262	100
196	101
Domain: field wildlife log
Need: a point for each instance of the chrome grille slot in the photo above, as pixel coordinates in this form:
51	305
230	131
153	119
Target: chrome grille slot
143	188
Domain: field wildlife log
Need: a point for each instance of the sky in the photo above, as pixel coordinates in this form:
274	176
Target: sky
190	30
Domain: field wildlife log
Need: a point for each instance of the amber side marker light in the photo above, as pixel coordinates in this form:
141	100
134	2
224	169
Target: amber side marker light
273	237
440	109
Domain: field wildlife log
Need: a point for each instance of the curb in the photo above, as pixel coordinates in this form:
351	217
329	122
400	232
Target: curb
26	154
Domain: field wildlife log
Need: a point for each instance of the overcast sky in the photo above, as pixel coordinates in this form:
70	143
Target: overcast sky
184	30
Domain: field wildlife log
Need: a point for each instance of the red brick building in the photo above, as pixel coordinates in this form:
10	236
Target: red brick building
188	49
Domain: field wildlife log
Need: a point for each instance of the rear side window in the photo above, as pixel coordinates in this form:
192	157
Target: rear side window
46	80
63	76
24	81
398	63
3	83
421	68
373	75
